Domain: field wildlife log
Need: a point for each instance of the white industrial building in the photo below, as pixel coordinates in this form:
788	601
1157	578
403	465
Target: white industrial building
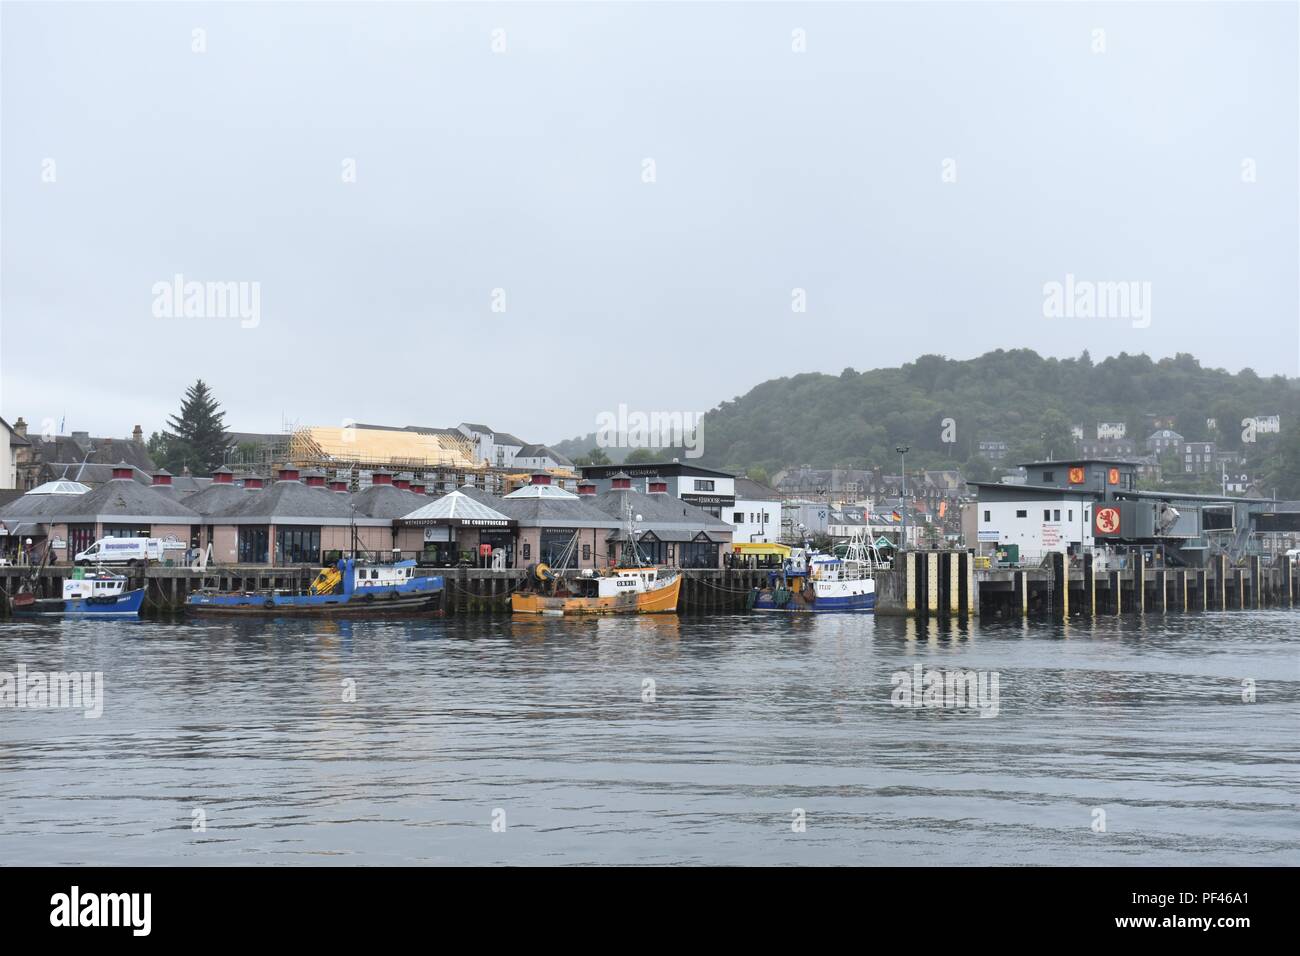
756	513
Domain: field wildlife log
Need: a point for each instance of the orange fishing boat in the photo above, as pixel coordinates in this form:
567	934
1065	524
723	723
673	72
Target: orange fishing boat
650	590
632	588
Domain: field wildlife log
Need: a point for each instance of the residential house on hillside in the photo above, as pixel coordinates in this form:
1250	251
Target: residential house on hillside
1163	440
1198	457
831	483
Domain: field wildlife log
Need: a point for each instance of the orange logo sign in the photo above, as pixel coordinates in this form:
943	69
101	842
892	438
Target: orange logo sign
1107	520
1076	476
1113	476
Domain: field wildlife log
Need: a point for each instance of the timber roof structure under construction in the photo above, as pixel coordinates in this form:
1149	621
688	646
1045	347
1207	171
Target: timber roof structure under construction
363	445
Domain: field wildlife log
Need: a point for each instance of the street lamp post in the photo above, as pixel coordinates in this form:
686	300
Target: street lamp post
902	453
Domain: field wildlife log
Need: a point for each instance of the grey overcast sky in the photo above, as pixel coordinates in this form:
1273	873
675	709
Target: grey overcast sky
522	170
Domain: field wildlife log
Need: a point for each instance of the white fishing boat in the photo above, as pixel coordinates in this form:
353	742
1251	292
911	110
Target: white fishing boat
823	583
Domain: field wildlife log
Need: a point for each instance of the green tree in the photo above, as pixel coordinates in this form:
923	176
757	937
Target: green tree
1057	440
196	437
157	446
1282	467
759	474
977	468
596	456
640	456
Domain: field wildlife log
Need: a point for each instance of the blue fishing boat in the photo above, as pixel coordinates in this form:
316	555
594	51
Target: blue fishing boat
348	587
95	595
821	583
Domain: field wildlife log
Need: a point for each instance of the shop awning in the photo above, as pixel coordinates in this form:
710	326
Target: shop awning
761	548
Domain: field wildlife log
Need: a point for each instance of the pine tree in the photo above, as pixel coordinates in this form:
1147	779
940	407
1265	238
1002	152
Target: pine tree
196	438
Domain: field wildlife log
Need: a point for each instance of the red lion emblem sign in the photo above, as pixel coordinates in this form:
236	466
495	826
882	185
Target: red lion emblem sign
1107	520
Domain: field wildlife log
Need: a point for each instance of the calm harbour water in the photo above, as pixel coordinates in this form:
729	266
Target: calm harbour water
754	717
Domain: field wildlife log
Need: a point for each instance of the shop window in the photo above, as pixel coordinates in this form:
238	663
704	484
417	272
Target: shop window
700	554
297	545
252	543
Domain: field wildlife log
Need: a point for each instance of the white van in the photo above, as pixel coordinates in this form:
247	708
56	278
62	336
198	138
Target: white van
138	551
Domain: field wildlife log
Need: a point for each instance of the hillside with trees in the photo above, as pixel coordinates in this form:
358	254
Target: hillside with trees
941	408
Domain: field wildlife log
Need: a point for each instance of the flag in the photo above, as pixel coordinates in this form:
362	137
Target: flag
896	516
943	507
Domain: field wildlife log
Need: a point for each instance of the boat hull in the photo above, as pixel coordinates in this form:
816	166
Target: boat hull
377	602
835	598
127	604
658	601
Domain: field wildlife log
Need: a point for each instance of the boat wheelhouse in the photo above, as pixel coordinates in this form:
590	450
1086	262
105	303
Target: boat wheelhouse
101	594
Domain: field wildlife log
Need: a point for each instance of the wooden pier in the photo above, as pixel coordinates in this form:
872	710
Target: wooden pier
921	584
466	590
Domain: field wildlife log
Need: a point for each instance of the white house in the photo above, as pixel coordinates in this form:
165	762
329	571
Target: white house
10	440
539	458
498	449
1107	430
1161	441
756	514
